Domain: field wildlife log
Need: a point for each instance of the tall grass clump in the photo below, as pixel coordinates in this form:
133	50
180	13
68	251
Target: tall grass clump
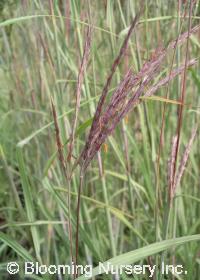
99	142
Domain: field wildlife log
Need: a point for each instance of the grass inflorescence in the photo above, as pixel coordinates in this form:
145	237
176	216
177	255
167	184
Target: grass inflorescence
99	143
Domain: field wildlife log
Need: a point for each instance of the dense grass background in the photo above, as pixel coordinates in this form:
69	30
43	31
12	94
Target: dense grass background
120	209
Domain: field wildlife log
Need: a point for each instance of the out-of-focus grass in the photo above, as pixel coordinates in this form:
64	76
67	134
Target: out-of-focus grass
40	58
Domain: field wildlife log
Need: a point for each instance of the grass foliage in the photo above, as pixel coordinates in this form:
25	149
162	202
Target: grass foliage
55	59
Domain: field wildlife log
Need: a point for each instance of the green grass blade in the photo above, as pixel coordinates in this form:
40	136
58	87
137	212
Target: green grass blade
16	247
28	197
139	254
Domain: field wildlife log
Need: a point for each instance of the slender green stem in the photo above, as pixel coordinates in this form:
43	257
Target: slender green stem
106	201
